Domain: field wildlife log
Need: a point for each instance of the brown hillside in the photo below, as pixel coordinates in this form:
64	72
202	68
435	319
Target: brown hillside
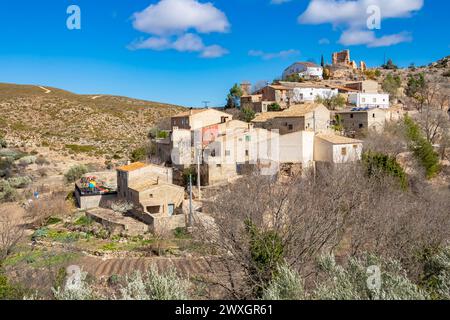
97	125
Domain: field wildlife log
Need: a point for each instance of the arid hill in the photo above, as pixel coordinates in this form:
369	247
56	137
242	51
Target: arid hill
97	125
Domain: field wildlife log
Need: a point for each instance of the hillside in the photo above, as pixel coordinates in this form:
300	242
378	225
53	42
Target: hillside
96	125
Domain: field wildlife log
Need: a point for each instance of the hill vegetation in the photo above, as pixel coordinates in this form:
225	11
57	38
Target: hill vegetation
109	126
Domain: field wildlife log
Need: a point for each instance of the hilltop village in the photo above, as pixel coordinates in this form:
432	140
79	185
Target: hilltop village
314	117
331	158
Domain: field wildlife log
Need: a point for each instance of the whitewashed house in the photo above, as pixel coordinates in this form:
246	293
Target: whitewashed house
306	70
311	94
369	100
336	149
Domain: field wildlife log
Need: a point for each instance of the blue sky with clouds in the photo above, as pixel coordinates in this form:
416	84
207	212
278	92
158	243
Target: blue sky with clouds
189	51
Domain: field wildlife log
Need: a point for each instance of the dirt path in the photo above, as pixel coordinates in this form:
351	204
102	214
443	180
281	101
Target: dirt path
45	89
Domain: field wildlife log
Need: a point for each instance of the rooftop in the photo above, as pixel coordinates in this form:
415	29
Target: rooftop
298	110
132	166
335	139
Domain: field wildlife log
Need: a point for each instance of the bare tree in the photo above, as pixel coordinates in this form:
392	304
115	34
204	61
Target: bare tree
53	206
11	231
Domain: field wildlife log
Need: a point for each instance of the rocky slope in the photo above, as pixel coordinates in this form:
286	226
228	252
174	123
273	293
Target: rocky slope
95	125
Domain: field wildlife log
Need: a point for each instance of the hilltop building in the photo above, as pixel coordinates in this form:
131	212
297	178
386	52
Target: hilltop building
305	70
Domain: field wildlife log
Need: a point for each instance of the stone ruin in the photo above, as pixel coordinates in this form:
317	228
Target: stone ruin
342	59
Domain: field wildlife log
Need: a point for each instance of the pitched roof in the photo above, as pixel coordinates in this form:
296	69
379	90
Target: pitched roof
132	167
295	111
189	112
335	139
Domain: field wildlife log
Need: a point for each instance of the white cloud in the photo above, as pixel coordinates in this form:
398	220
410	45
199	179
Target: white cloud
188	42
352	16
214	51
169	17
324	41
365	37
279	1
273	55
154	43
172	24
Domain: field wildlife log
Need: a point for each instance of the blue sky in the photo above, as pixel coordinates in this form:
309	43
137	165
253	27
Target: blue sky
189	51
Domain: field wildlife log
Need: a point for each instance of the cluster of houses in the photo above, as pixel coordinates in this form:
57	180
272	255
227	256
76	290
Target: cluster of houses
300	133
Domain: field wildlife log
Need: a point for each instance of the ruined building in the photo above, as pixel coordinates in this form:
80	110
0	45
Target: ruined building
342	60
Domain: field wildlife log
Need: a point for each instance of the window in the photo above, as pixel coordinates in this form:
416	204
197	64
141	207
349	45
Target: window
351	116
153	209
361	126
344	151
213	152
248	138
374	100
373	115
150	195
227	153
246	153
218	165
355	146
171	208
291	127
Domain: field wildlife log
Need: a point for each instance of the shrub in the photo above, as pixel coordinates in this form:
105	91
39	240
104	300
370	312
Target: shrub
422	149
155	286
446	73
7	193
75	173
138	154
247	114
352	282
3	143
376	161
286	285
20	182
273	107
436	278
9	291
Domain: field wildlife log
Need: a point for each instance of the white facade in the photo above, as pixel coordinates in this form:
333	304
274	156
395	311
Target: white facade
310	94
297	147
369	100
336	149
304	70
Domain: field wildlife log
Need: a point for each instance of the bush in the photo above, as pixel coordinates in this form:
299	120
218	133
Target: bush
286	285
75	173
376	162
422	149
273	107
3	143
139	154
352	282
247	114
7	193
155	286
20	182
9	291
436	277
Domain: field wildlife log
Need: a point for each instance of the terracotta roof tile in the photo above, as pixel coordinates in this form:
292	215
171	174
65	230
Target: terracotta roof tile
132	167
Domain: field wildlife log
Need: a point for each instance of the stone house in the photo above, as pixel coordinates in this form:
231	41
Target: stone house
336	149
198	118
155	199
274	93
366	86
301	117
361	121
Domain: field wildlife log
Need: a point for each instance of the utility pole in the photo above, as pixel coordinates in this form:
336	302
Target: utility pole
190	201
206	103
198	172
